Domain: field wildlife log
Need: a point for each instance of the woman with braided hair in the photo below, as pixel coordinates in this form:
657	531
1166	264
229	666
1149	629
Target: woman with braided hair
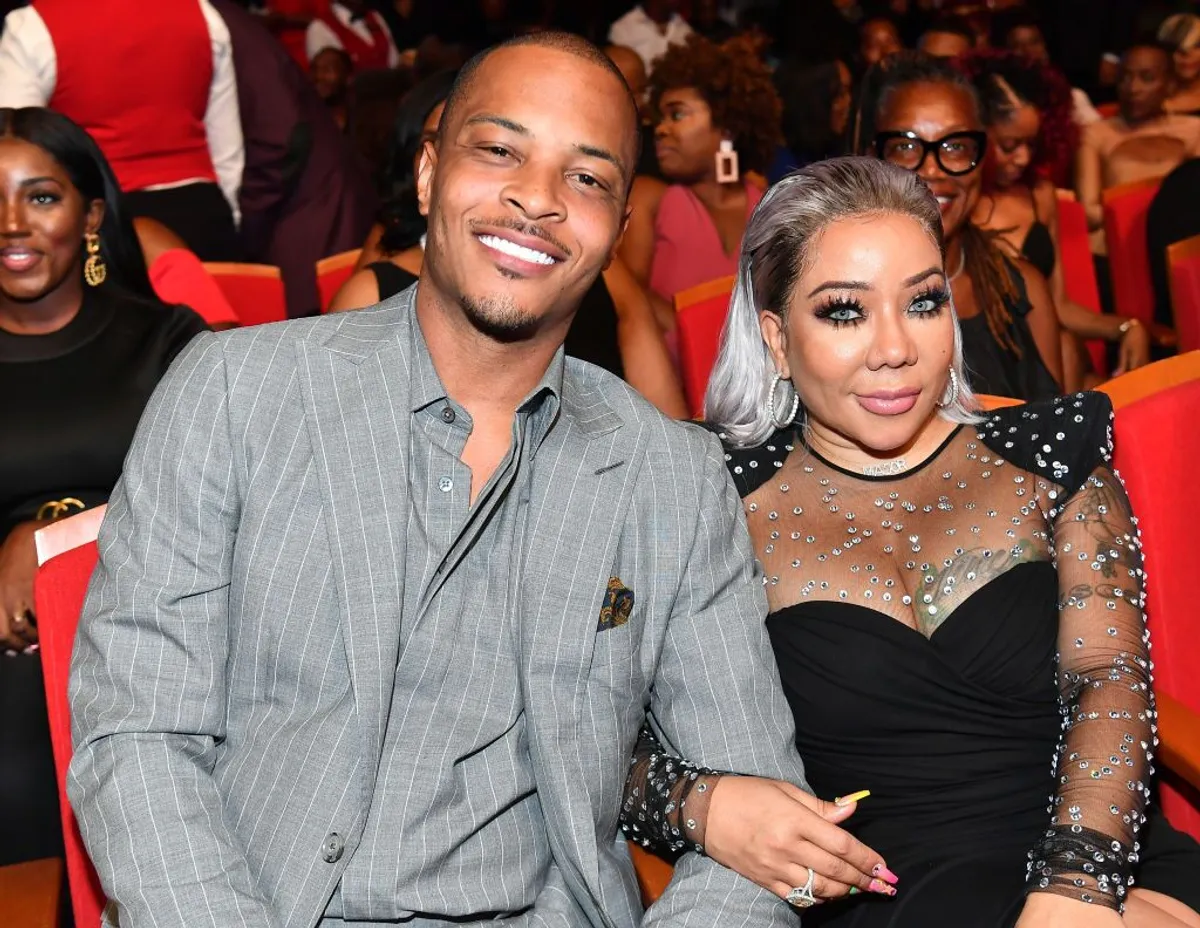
923	115
1026	109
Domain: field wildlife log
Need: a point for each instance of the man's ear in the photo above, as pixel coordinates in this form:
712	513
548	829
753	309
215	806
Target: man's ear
426	168
612	254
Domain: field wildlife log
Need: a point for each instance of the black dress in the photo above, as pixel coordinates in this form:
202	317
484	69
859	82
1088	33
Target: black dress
72	402
593	333
965	639
997	370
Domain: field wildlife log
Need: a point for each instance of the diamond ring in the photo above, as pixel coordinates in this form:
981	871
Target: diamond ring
802	896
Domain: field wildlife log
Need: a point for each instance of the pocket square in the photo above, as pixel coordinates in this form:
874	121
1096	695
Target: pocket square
618	603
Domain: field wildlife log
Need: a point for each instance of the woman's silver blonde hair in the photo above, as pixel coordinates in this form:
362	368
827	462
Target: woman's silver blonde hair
776	251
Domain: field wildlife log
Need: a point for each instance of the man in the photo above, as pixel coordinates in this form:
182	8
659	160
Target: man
383	596
356	29
948	36
330	72
304	195
650	29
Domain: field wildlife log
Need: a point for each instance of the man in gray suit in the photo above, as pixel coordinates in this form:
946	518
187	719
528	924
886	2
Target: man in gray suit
384	597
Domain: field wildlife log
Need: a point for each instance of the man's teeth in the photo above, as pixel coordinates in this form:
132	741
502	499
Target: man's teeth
504	246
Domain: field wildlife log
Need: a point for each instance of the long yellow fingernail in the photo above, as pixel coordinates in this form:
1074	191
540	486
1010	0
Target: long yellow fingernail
852	797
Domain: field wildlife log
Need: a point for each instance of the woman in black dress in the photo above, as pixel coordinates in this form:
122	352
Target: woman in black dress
614	327
955	599
83	342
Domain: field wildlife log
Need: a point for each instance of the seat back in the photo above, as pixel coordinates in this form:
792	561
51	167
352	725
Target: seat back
1156	454
1183	262
1125	209
334	271
699	317
254	290
1079	270
59	590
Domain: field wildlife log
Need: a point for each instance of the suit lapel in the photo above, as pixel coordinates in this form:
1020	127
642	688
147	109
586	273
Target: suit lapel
356	393
584	480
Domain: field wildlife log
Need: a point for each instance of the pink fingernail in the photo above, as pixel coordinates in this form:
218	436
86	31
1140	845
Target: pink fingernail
882	871
878	886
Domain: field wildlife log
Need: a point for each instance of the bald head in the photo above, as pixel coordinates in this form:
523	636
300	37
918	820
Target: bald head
632	68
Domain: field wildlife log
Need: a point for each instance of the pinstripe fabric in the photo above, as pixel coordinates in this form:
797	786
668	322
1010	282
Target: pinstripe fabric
236	659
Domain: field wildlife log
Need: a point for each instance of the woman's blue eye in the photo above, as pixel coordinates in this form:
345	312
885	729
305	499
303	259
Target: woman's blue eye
843	314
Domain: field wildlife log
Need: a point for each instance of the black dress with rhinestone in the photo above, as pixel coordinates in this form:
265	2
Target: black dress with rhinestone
966	640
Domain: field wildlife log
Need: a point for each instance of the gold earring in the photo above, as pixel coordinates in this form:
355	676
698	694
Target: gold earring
94	268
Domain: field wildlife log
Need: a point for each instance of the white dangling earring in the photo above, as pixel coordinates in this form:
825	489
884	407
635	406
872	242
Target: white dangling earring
727	163
950	395
771	414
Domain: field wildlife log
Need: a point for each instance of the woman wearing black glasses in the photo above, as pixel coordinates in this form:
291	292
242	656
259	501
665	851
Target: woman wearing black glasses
921	114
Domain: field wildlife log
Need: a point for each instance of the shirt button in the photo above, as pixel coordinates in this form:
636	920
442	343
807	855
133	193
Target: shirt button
331	850
445	484
447	414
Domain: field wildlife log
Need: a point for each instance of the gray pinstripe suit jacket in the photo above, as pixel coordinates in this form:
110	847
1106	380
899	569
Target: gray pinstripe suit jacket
236	655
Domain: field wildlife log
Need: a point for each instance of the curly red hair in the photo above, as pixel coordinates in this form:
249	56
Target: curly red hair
737	87
997	75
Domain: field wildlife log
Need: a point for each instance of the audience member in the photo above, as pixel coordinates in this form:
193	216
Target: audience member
356	29
331	71
922	114
288	21
718	122
816	102
179	277
304	194
650	28
878	38
630	64
1020	31
706	19
1026	110
1181	34
615	327
348	497
953	598
83	341
1143	141
947	37
171	131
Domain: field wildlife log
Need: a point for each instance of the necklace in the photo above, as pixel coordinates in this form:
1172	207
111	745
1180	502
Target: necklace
885	468
962	263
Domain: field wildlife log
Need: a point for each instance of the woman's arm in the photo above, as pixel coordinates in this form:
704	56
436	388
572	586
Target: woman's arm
1088	176
769	831
636	248
1043	320
648	367
362	289
1103	768
371	251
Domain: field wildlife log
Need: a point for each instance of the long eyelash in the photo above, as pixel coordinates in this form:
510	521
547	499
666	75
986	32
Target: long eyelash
939	295
836	303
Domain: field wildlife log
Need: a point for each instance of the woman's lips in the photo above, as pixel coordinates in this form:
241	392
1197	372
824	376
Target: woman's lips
888	402
17	260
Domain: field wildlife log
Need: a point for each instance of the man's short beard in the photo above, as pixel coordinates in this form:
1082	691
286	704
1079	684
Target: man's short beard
499	318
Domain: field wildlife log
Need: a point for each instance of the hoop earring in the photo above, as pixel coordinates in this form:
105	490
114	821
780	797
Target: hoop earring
950	395
727	163
771	414
94	268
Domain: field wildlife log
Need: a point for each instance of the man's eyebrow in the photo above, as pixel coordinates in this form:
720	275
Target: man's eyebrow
591	151
603	154
488	118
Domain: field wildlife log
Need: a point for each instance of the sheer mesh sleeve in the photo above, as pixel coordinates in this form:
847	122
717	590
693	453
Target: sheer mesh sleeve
1104	756
666	800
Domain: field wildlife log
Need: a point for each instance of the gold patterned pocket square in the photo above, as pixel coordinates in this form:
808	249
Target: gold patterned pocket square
618	603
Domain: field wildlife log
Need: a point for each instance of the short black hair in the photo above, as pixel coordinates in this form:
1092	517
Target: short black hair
559	41
951	24
1150	41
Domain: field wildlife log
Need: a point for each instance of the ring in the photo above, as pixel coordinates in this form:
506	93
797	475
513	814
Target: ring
18	618
802	896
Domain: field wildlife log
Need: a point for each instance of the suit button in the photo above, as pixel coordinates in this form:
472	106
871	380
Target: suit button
331	850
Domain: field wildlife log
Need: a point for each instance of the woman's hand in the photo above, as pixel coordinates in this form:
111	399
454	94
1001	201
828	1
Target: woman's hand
1135	349
18	564
771	832
1046	910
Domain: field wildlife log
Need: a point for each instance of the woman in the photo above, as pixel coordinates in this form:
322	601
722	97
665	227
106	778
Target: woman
921	114
1026	110
614	327
1181	34
718	120
83	342
955	599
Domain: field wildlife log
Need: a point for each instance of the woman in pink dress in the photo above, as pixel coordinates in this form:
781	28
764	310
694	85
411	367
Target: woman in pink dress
718	131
